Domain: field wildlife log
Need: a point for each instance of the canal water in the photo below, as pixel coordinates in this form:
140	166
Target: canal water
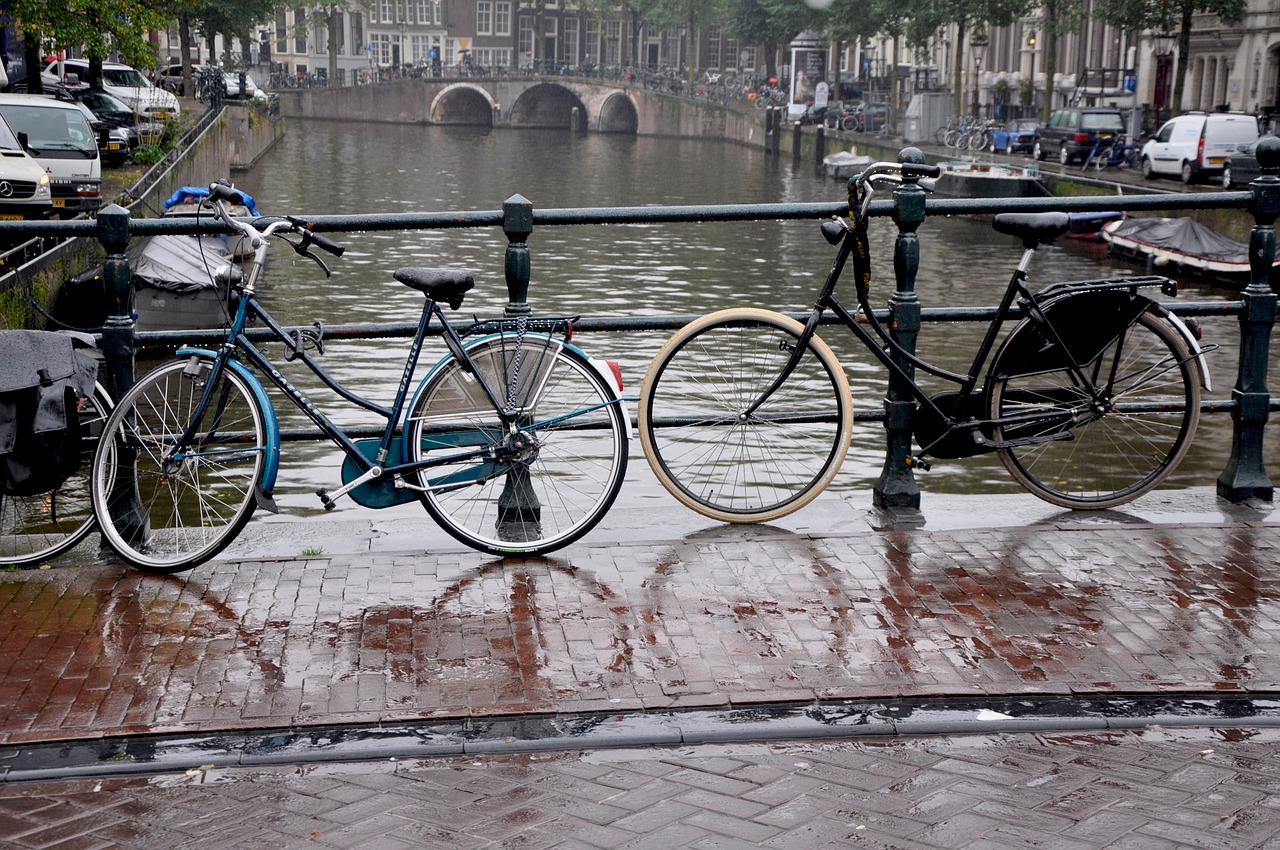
627	270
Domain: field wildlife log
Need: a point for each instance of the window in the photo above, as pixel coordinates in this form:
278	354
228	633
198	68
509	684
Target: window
282	28
387	13
569	44
526	36
422	11
300	21
381	47
484	17
613	42
713	46
502	18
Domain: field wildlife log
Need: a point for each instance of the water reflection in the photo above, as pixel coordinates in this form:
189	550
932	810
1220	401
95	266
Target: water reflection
325	167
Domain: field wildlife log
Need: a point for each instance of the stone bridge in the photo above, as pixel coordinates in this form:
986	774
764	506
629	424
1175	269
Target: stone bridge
591	105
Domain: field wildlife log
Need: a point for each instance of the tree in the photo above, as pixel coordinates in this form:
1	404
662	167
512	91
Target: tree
966	16
767	23
99	27
1170	16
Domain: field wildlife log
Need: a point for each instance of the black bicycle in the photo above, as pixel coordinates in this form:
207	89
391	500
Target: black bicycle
1090	400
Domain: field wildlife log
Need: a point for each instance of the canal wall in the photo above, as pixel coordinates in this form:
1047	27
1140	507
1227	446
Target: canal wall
231	143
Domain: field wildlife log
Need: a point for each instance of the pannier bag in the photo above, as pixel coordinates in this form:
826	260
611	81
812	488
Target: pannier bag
43	376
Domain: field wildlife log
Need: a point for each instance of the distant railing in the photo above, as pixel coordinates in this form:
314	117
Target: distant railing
1249	405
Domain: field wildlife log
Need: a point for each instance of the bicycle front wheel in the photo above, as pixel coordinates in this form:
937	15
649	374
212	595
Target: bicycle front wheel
539	489
715	457
165	511
1120	447
38	528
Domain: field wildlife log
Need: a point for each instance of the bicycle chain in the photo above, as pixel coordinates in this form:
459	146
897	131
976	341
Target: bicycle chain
522	324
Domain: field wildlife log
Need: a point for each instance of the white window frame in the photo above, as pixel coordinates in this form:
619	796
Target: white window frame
484	17
502	18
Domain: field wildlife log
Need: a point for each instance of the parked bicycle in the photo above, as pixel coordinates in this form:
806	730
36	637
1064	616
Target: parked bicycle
515	442
1090	400
51	417
1114	152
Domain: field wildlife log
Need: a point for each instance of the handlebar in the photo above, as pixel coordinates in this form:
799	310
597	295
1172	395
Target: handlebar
223	195
862	186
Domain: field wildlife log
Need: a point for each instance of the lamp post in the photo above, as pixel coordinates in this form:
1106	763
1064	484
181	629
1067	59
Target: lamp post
1163	42
978	44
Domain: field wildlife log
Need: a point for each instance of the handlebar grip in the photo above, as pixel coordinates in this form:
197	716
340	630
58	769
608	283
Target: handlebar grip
222	191
325	243
911	169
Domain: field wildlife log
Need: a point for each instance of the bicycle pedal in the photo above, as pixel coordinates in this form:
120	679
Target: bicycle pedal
919	463
329	504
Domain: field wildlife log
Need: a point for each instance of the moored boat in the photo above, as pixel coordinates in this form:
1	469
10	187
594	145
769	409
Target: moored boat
1183	245
971	179
844	164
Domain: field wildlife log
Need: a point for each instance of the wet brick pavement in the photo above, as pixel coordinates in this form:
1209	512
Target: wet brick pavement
722	617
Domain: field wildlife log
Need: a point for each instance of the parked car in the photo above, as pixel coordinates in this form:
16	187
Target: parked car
24	184
124	125
1072	132
60	138
1197	144
1017	137
1242	168
171	79
127	84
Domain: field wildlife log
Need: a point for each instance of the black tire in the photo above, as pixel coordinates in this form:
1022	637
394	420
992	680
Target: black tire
1188	173
707	453
1147	171
165	516
1008	147
1115	455
34	529
1037	152
576	431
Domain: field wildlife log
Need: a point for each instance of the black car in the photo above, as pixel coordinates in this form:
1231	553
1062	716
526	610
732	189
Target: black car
1072	132
1242	168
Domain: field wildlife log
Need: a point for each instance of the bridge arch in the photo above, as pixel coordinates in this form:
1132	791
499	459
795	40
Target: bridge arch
618	114
463	103
546	105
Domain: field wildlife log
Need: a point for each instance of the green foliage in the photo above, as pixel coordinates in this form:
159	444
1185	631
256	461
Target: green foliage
146	154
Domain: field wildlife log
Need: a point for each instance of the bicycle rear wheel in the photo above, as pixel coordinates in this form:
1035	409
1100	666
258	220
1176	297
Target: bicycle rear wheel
166	514
41	527
1121	448
547	485
717	460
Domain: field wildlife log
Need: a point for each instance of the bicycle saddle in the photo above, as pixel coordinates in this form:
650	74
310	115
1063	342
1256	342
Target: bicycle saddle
447	285
1033	228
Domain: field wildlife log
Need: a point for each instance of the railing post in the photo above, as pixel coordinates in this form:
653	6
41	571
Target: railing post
118	351
117	332
1245	476
517	224
896	487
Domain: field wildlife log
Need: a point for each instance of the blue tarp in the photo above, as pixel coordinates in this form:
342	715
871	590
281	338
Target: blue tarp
196	194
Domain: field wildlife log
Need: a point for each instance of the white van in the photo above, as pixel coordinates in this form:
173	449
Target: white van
59	138
1197	144
24	185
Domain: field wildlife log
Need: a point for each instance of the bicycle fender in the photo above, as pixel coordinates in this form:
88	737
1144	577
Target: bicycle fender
270	463
1193	344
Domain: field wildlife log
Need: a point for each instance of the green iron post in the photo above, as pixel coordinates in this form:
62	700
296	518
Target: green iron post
1245	476
517	224
897	487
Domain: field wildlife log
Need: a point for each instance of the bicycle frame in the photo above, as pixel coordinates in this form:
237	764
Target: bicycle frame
889	352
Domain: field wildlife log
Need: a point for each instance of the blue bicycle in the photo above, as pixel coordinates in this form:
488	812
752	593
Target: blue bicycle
515	442
1114	152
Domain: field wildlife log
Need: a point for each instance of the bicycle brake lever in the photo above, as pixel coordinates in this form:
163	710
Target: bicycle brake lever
319	262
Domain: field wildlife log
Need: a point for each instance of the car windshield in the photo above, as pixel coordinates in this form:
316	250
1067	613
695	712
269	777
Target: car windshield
124	77
1101	121
98	101
51	129
8	141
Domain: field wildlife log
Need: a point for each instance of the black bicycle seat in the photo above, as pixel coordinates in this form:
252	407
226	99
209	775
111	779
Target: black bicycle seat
1033	228
447	285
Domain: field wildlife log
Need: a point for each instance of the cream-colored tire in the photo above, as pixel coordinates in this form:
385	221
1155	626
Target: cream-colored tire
715	457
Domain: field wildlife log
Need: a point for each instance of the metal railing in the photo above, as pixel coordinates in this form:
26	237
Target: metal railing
1250	404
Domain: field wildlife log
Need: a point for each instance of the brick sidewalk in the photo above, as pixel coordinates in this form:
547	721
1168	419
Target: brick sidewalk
722	617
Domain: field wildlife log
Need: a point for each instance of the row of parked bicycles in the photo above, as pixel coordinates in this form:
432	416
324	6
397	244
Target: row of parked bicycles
517	441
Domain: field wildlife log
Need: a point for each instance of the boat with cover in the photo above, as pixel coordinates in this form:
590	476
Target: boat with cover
1184	245
972	179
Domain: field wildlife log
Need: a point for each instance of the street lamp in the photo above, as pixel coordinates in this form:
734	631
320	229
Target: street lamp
1163	42
978	43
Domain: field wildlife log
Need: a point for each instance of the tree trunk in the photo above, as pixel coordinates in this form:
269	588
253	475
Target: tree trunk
31	56
184	43
1050	60
957	105
331	27
95	73
1184	60
891	117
